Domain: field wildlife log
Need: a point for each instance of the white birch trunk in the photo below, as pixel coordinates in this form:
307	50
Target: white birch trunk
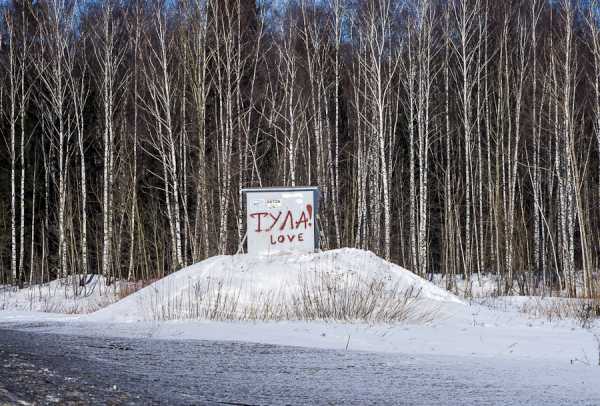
12	93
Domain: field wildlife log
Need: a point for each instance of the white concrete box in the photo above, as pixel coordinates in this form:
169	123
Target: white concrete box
281	219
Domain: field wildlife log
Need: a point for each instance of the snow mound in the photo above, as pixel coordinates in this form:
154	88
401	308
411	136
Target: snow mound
249	284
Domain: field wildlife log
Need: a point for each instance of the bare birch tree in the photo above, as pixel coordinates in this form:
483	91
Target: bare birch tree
159	78
56	28
380	78
13	78
197	71
465	14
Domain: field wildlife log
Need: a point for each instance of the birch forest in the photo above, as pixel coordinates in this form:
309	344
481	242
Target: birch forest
458	137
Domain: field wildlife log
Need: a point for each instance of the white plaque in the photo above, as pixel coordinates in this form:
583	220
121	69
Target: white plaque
281	220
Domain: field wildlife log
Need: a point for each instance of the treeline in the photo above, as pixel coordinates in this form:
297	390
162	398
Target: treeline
458	136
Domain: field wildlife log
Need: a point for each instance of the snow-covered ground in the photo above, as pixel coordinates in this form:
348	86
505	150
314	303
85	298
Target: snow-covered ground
493	329
479	286
475	331
489	284
258	287
66	295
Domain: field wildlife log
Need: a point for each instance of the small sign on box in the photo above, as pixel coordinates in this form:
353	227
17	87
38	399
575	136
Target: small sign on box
281	219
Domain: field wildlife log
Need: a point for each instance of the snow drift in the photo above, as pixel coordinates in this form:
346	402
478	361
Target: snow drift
64	295
343	284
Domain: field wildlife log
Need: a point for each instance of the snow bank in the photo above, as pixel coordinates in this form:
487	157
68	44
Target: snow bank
472	331
245	280
495	328
65	295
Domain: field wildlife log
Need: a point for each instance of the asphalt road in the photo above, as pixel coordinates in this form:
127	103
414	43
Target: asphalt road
47	368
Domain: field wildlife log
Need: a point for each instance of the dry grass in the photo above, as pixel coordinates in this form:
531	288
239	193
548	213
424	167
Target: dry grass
584	311
549	303
319	296
209	300
125	289
325	296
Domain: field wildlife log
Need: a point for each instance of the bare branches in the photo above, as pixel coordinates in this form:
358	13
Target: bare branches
460	137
